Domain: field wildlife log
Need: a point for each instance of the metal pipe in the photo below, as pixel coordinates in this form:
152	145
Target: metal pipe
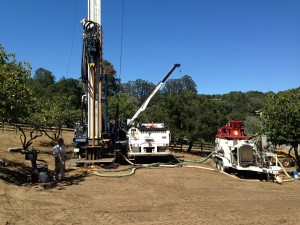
100	84
94	106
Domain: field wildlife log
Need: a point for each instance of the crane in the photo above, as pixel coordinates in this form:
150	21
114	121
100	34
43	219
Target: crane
145	104
148	139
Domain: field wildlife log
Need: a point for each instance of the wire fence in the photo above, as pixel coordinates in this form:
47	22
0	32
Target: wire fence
26	127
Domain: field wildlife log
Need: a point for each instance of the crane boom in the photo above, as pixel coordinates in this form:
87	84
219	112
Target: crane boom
144	106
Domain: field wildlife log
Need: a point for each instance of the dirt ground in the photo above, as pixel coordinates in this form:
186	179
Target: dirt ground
161	195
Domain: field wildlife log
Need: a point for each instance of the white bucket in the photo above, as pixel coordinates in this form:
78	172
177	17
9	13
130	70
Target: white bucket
43	177
295	173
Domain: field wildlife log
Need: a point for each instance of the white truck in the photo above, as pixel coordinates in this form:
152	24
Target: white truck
148	139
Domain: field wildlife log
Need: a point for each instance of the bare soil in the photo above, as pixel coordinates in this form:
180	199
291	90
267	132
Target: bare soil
161	195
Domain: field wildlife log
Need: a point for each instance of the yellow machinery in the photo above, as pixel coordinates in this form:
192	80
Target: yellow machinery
285	158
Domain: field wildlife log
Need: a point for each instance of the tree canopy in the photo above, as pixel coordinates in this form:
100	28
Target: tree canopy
16	98
281	118
191	116
177	86
281	113
140	89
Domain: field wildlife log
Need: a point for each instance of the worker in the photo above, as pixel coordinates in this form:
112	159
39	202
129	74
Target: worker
59	153
221	151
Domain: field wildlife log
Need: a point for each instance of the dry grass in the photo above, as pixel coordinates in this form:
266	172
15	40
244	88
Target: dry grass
11	139
18	169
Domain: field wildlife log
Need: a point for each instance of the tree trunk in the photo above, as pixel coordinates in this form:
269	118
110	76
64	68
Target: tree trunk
191	143
34	132
295	146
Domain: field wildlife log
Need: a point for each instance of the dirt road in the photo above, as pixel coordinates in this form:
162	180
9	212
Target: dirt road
153	196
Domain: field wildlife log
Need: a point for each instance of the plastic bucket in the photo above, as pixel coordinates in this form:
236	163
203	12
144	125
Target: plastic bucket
295	174
43	177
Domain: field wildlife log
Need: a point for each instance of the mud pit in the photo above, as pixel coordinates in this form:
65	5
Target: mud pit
152	196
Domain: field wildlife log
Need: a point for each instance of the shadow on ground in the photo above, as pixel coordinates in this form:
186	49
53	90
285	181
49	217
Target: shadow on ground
15	173
169	159
67	181
20	174
204	153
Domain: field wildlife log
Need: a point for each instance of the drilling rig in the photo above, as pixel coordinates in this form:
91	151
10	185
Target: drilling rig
91	138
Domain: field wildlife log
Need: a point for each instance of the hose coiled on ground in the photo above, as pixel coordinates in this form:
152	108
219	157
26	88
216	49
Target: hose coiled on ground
151	166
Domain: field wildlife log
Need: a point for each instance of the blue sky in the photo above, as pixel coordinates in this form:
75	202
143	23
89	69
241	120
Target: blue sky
224	45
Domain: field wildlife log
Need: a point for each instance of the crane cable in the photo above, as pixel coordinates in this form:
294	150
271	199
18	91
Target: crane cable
122	34
117	117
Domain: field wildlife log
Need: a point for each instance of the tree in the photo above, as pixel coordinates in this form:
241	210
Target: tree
177	86
140	89
253	126
188	84
17	101
122	107
191	116
114	83
55	112
255	99
42	83
15	98
237	105
281	118
34	132
72	89
58	103
155	113
44	78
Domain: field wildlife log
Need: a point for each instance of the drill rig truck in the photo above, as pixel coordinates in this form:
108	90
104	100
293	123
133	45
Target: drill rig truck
235	150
